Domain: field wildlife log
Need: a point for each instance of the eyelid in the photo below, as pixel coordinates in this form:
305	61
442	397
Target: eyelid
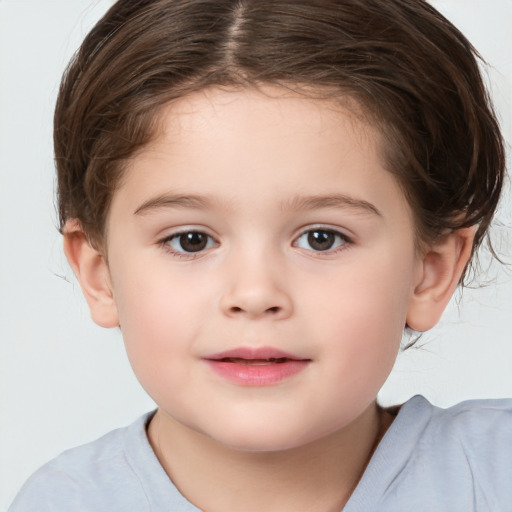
325	227
187	228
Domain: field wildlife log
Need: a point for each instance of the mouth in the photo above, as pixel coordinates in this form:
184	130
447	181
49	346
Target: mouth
261	366
255	362
266	354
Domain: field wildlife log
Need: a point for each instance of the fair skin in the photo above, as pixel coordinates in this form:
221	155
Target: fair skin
263	220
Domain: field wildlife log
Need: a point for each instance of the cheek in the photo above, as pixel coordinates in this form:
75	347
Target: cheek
362	317
161	316
151	297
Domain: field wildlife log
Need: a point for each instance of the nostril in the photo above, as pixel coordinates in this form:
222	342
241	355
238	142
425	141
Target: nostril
273	310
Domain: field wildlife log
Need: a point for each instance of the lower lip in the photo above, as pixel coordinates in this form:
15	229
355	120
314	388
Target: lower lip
257	375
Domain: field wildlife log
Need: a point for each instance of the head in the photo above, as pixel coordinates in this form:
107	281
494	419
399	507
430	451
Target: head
411	73
158	81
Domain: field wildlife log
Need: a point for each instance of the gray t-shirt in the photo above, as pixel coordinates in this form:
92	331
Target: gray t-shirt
430	460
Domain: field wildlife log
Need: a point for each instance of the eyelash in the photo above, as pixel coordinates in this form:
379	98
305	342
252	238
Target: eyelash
343	242
190	255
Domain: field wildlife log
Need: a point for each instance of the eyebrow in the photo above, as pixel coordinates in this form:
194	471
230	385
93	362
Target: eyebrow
331	201
296	203
173	201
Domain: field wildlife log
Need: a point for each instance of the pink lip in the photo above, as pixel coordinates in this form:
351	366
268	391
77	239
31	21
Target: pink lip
262	366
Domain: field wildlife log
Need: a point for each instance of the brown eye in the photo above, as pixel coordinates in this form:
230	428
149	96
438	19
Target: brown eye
190	241
193	241
321	240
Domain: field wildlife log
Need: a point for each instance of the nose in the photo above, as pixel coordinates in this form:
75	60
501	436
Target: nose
255	288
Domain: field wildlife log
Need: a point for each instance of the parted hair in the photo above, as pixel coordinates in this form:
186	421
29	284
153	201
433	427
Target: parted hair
412	73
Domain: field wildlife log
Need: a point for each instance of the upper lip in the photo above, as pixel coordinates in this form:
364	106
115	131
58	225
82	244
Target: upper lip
254	353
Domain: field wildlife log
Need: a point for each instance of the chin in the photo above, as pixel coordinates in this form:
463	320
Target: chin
267	438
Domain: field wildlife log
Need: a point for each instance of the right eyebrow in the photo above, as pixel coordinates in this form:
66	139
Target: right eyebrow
173	201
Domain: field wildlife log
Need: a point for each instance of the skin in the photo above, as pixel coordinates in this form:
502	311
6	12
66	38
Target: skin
270	167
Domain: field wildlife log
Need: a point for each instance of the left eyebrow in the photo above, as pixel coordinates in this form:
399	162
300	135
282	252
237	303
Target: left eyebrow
331	201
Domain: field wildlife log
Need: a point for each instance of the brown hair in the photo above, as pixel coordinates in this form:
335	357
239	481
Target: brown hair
409	68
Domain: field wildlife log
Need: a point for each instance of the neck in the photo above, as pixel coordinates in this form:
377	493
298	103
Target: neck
318	476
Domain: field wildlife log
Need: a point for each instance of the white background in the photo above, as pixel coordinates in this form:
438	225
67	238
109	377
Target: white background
64	381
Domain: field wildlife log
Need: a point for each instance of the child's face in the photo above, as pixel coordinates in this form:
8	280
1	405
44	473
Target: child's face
299	242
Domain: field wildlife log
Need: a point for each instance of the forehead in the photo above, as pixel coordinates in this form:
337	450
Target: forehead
270	143
210	102
252	110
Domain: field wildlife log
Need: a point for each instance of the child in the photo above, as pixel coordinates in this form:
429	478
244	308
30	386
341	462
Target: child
263	195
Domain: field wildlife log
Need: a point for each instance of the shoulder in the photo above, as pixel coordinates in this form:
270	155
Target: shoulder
480	427
457	459
467	447
86	477
480	431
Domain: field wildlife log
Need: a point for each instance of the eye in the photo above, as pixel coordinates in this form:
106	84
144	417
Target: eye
189	242
321	240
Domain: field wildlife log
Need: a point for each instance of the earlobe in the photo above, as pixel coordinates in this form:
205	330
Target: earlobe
91	270
440	270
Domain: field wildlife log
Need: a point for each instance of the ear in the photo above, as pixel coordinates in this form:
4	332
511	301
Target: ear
91	270
440	270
